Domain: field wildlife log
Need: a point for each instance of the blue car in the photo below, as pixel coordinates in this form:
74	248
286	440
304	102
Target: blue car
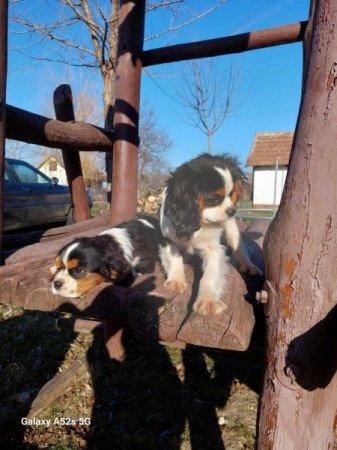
32	199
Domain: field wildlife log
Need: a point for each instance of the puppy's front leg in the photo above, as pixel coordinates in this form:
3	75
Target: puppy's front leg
173	265
235	243
213	281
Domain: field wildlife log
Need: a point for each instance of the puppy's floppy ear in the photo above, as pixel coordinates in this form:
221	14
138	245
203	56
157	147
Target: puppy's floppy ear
53	269
240	191
115	269
58	264
181	205
241	184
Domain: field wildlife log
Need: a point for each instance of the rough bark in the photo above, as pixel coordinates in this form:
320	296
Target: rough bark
3	78
300	387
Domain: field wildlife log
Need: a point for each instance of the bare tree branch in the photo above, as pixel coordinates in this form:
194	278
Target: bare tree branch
172	28
210	98
93	32
88	30
80	63
46	33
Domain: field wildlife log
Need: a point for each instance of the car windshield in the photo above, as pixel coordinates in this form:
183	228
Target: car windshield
28	174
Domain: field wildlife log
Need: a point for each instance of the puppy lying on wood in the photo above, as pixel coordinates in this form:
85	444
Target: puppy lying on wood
115	255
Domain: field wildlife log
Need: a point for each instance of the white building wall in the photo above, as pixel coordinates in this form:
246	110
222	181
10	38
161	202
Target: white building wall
264	185
60	173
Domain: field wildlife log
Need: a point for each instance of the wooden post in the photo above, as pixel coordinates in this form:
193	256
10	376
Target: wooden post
3	77
299	398
64	110
126	110
125	126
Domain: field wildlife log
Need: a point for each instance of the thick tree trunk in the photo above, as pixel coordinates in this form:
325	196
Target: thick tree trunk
3	78
109	82
300	388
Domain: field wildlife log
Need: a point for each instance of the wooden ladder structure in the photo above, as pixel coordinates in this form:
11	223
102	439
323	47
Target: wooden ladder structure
299	398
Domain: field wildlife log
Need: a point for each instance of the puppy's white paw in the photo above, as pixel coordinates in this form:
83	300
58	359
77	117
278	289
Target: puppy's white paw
208	306
178	285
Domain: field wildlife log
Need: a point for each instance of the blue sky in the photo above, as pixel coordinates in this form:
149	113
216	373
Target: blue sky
270	78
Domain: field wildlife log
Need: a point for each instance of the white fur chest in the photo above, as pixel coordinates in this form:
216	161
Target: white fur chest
206	237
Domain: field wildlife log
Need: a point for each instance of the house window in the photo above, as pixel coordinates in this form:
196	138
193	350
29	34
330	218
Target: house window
52	165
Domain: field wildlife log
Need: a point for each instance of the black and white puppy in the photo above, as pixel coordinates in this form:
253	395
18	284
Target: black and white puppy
198	207
113	256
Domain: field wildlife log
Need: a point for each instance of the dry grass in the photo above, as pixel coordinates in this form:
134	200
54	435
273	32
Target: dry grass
157	398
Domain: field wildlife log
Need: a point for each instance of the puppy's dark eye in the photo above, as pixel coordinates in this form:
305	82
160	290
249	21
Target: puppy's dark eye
213	200
78	272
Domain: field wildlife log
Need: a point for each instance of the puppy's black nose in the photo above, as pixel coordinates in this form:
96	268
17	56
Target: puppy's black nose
230	212
58	284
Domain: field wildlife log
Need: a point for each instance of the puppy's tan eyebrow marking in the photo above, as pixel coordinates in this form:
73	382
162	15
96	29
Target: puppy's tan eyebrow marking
221	192
204	198
58	263
72	263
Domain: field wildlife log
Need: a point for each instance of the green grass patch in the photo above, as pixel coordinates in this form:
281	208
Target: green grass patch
97	208
158	397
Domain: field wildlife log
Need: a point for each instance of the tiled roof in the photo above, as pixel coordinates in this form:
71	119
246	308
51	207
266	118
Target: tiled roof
267	148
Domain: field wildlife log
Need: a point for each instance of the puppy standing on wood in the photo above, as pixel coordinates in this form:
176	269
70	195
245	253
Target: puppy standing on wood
198	206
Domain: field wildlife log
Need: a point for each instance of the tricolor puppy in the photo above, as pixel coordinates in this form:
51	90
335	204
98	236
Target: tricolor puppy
198	207
113	256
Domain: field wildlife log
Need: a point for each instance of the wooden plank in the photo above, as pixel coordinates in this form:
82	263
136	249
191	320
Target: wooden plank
64	111
286	34
88	227
152	311
299	396
32	128
51	391
233	328
47	249
79	325
3	78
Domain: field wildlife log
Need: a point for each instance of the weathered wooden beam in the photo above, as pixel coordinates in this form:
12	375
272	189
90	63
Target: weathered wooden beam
56	238
32	128
80	325
286	34
64	111
3	78
51	391
126	110
299	398
18	240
